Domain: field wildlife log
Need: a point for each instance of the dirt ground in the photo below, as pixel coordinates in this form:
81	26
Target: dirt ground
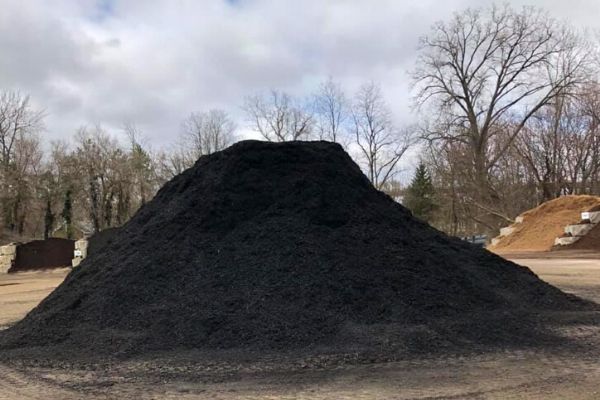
20	292
524	374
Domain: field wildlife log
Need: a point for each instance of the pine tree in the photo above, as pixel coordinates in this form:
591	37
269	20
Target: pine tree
48	219
67	214
420	195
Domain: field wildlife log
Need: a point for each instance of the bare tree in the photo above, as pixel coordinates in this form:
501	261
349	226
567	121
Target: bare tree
202	133
172	162
331	112
22	176
589	100
543	146
278	117
101	161
207	132
484	74
486	65
17	120
99	183
19	154
381	144
142	169
59	187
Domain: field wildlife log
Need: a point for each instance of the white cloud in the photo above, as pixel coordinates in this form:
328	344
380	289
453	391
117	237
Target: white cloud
153	62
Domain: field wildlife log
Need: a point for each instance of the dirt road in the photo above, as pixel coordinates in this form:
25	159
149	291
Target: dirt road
549	374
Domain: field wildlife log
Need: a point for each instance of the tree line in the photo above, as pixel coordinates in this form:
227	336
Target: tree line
507	117
508	102
73	188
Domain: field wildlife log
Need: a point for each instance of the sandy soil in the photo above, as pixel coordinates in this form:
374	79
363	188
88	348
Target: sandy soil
544	223
517	374
19	293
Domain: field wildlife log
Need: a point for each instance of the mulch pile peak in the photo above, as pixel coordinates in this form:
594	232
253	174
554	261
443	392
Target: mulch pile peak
272	245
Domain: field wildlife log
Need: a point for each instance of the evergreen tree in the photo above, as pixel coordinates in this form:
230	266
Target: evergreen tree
48	219
419	197
67	214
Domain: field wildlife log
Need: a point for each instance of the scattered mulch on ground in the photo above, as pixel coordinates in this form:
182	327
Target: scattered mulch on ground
280	246
541	225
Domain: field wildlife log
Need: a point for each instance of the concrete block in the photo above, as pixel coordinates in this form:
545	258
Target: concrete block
506	231
565	241
81	247
8	250
76	261
593	216
81	244
578	229
519	219
5	263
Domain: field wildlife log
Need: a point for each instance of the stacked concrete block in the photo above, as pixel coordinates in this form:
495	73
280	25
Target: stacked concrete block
565	240
506	231
576	231
81	247
592	216
8	254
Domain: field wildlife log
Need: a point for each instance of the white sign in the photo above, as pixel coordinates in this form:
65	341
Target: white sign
78	253
585	215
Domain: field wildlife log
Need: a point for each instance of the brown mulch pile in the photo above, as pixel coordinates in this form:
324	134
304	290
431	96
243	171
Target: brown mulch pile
541	225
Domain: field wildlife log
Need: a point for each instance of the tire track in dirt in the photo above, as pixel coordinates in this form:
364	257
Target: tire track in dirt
508	375
15	385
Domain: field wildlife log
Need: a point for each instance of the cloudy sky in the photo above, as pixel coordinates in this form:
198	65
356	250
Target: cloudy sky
154	62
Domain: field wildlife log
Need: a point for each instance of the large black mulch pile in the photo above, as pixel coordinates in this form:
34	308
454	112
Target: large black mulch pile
277	246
